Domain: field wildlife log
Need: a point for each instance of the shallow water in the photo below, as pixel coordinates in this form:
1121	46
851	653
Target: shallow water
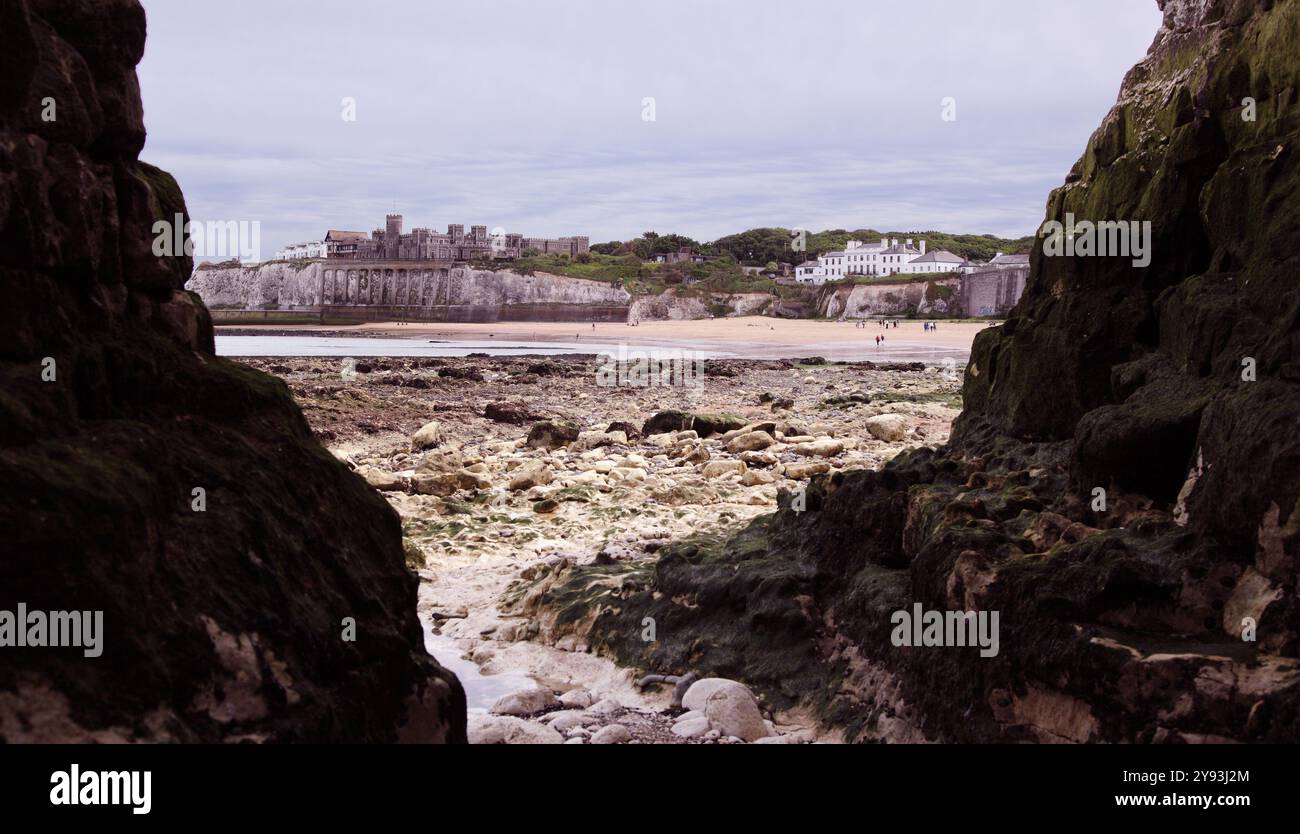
481	690
345	346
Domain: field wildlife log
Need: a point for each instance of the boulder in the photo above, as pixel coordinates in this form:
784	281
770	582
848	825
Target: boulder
576	699
588	440
699	692
506	729
719	468
380	479
440	460
822	447
667	421
514	413
613	734
691	727
551	435
447	483
804	471
527	702
705	425
631	432
733	711
530	474
750	442
890	428
759	459
566	720
427	436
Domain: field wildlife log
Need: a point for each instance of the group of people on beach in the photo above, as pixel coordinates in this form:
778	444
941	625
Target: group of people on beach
927	326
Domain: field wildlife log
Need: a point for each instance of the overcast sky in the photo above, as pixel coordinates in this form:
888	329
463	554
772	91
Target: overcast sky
528	114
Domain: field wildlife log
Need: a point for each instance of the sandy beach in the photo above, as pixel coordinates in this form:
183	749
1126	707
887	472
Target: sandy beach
751	336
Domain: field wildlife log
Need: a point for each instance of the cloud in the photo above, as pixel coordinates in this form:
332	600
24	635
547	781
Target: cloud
527	115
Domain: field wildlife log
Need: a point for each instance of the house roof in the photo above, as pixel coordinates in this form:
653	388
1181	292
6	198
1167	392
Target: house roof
336	235
901	249
942	256
1010	259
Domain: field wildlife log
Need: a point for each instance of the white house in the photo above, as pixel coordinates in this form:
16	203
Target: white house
888	257
857	258
296	251
810	272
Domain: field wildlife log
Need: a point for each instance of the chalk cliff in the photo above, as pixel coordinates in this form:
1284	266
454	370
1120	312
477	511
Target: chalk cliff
1122	486
458	293
921	298
180	494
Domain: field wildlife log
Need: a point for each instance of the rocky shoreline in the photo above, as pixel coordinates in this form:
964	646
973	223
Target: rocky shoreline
510	471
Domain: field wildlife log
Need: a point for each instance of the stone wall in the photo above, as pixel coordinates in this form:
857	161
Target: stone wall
991	292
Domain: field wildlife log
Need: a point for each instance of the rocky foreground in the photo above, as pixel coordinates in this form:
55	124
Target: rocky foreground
509	472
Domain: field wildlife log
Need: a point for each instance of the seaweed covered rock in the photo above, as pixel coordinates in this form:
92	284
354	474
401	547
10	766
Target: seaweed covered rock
251	586
1121	489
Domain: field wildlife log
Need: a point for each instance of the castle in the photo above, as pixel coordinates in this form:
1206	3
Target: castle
455	246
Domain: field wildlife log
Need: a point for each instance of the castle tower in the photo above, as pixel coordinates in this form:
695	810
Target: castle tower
392	236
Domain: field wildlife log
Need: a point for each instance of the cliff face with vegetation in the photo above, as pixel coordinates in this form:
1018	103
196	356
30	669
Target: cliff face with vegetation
223	609
1122	486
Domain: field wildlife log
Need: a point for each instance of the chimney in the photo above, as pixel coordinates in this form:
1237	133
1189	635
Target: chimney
909	241
923	247
884	243
893	241
997	255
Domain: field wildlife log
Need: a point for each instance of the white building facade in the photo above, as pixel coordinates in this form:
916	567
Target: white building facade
888	257
299	251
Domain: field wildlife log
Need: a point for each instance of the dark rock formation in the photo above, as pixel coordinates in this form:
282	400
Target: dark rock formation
221	624
1120	620
706	425
515	413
